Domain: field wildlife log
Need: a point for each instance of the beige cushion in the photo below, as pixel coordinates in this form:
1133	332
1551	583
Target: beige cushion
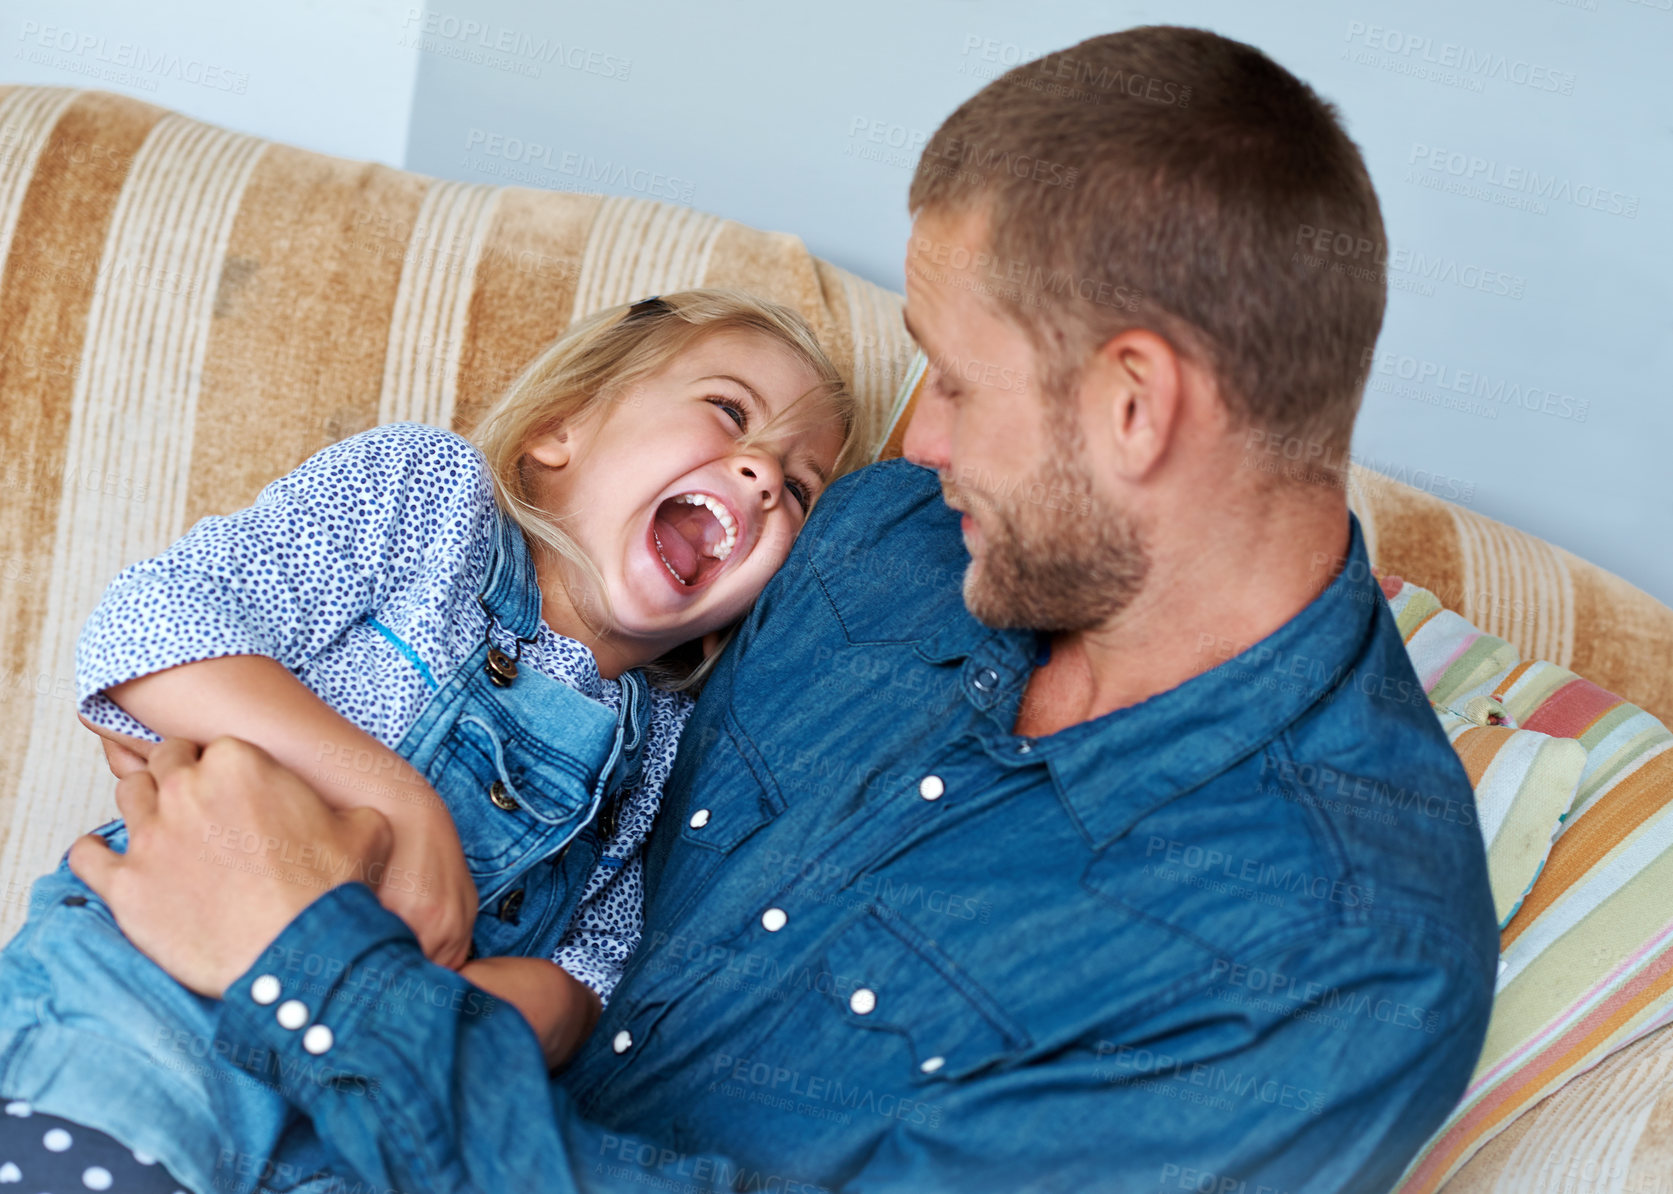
1608	1132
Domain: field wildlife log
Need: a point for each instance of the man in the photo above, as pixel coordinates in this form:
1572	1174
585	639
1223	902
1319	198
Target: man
1077	831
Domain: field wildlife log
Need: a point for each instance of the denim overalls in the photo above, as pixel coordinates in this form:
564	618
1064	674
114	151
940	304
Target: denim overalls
92	1030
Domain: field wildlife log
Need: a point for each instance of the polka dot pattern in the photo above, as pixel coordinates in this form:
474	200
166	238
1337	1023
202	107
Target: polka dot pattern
393	525
43	1154
611	916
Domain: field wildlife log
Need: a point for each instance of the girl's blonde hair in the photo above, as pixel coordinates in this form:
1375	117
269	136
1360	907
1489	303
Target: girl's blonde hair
597	362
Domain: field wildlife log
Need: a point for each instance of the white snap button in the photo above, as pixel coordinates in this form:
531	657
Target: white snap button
931	1064
318	1039
623	1041
1024	747
265	989
774	919
863	1002
931	787
700	818
292	1014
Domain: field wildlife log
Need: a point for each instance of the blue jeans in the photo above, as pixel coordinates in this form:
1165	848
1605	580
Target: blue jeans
94	1031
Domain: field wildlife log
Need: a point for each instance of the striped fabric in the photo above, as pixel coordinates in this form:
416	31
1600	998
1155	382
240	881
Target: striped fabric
1524	780
1586	962
187	313
1610	1131
1524	783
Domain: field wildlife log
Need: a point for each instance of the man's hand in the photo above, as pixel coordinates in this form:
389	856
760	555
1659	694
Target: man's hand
428	884
225	848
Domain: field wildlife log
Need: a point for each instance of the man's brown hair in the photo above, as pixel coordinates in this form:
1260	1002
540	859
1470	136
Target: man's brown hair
1172	179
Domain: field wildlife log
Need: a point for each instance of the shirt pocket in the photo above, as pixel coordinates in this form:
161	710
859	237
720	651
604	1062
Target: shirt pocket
737	793
907	1006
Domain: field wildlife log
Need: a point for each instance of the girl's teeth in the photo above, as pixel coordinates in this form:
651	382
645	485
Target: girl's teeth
722	515
664	559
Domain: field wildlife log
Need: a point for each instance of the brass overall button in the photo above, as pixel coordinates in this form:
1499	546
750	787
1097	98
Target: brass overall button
501	796
502	669
512	907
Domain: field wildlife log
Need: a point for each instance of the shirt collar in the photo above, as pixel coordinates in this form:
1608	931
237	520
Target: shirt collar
1114	770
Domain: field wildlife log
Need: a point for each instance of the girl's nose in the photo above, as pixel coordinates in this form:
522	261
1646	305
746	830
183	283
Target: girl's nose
764	472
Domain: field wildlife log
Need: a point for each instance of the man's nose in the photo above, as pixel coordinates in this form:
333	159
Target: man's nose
928	439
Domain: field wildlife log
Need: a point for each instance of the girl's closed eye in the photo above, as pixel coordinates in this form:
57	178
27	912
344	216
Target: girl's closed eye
740	415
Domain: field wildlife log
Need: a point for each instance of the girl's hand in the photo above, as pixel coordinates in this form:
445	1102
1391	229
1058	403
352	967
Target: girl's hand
428	885
559	1007
123	753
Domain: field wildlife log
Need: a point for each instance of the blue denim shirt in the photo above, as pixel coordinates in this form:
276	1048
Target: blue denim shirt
1236	937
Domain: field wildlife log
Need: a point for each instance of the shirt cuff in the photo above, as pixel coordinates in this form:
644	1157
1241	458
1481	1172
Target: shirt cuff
316	985
108	715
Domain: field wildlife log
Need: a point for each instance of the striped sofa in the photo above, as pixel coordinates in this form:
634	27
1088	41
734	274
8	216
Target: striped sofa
187	312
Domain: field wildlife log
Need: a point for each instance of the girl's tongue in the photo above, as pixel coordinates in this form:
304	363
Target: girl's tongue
687	536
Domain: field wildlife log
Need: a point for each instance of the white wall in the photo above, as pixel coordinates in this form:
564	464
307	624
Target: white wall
330	75
807	120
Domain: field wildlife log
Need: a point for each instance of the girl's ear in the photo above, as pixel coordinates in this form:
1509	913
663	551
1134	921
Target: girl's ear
550	448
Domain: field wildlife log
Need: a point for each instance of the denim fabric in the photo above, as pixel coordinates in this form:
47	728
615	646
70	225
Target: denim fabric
92	1030
560	755
1237	937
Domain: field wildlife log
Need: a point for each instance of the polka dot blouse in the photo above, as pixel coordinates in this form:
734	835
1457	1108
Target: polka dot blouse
373	548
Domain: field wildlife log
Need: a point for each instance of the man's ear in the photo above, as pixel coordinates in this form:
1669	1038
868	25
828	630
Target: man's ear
1139	397
550	448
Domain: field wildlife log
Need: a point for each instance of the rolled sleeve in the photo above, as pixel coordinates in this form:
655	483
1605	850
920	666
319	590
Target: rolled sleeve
419	1079
321	548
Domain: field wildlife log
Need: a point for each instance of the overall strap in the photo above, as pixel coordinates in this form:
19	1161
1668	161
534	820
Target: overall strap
511	596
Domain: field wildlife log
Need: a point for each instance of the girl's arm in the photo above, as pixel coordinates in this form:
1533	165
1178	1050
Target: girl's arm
558	1006
259	700
322	547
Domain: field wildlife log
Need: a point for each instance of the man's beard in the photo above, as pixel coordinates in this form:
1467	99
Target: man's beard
1052	556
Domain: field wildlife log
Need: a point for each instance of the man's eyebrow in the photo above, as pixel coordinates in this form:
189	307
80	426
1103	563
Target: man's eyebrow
765	416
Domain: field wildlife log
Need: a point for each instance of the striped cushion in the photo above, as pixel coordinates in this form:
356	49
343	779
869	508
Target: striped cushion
1587	960
1524	782
1610	1131
190	312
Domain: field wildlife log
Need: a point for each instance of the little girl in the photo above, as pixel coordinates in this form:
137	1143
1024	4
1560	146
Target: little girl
493	645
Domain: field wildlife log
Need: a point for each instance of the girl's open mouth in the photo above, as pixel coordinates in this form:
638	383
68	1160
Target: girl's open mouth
693	534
